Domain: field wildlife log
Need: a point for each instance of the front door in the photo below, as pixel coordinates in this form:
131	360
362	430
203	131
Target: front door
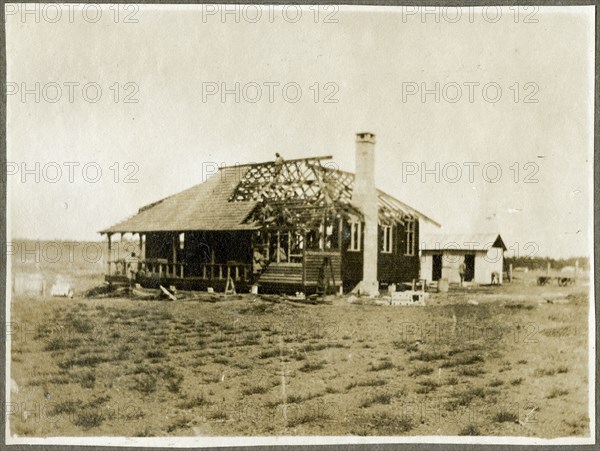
436	273
469	268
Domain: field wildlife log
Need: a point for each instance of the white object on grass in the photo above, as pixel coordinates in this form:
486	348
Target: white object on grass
62	289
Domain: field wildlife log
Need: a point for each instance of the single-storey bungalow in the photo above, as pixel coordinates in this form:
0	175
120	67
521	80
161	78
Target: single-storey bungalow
482	255
284	225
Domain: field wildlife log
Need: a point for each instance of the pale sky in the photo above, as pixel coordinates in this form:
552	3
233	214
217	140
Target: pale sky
371	58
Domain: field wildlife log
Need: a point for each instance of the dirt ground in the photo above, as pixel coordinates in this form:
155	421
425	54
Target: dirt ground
508	361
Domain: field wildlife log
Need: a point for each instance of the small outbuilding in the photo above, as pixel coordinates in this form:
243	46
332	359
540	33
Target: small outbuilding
481	254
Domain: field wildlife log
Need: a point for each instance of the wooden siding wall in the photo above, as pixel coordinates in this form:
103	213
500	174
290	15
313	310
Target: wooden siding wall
397	267
282	273
391	268
313	260
352	261
303	274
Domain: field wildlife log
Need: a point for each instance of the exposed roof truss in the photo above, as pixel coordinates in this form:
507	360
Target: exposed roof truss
281	181
303	192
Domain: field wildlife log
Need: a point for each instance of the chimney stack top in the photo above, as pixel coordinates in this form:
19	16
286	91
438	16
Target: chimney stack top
365	137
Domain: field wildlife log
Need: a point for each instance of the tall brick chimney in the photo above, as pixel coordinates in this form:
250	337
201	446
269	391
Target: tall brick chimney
364	196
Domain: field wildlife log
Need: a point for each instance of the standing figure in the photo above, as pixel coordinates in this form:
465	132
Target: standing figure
462	269
258	262
132	264
281	255
323	279
278	159
495	278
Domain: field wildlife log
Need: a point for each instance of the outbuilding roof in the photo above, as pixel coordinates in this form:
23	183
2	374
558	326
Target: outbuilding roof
477	242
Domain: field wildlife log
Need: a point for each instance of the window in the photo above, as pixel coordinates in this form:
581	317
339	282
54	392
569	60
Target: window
355	235
410	237
386	239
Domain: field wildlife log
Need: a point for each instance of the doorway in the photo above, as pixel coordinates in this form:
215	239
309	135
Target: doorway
469	268
436	273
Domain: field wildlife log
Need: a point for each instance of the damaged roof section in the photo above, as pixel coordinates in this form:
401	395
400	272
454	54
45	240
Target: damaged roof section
236	198
308	184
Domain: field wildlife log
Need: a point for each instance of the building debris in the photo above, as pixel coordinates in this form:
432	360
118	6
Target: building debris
169	295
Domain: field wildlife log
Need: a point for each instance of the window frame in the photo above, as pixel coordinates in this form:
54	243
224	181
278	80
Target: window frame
355	245
410	232
387	242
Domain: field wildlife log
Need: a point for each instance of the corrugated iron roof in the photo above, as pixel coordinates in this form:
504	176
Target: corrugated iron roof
212	206
479	241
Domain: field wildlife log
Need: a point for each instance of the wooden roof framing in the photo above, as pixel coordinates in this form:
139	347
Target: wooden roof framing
315	185
236	197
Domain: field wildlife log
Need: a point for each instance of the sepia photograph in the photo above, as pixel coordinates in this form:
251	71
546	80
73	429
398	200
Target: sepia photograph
252	225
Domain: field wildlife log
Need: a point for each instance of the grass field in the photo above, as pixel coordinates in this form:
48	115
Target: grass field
514	362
